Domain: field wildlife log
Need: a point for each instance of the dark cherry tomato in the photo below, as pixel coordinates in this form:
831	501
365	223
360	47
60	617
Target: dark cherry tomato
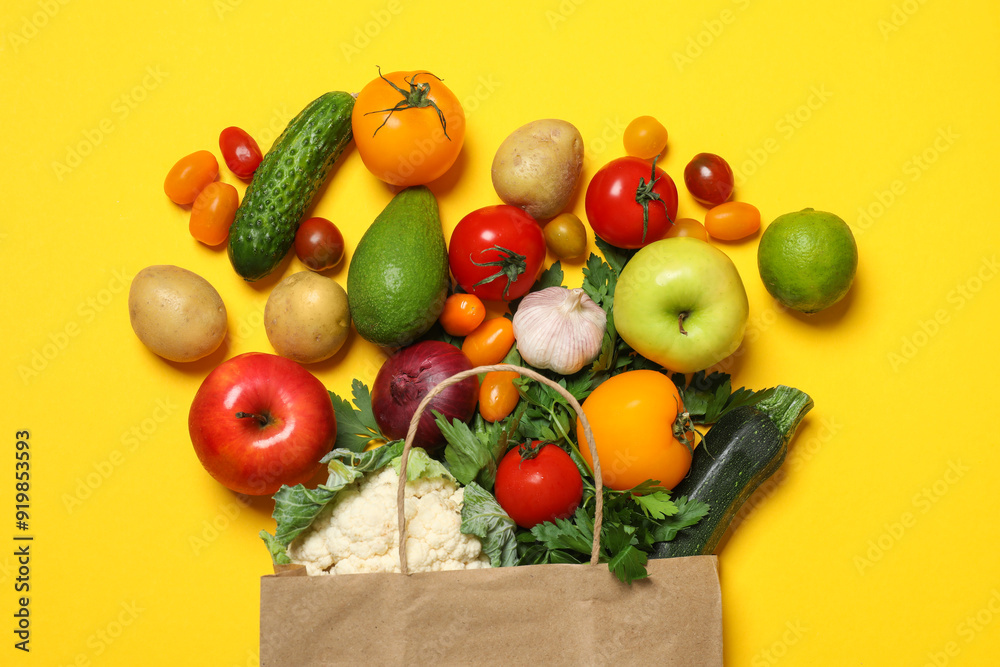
709	178
319	244
630	204
496	252
240	151
537	483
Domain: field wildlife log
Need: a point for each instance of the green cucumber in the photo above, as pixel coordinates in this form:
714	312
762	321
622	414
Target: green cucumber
285	184
745	447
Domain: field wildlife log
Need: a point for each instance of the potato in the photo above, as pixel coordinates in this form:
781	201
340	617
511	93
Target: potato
306	317
538	167
176	313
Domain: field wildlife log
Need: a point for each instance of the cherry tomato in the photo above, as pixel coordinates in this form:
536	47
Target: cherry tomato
537	483
189	176
687	227
490	342
732	221
213	212
240	151
462	314
566	236
408	127
498	395
319	244
645	137
632	417
630	204
709	178
496	252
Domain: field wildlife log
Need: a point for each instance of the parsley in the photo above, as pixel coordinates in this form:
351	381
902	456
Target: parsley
356	425
707	397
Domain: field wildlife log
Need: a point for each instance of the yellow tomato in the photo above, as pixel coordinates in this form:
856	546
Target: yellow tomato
632	417
408	127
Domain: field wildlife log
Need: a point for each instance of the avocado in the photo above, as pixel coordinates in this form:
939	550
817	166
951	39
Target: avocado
397	280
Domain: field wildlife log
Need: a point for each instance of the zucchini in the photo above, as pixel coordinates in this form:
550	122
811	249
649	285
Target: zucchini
744	447
286	182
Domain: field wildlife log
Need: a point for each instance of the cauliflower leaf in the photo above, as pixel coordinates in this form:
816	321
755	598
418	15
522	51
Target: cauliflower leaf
483	517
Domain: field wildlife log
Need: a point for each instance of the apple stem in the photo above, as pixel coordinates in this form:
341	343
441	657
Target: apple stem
680	321
261	419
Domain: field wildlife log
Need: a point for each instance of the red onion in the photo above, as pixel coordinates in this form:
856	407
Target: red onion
407	376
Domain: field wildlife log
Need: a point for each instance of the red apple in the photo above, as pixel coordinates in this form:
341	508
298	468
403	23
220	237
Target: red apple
259	421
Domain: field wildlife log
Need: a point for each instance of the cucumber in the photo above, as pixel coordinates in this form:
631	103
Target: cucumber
745	447
285	184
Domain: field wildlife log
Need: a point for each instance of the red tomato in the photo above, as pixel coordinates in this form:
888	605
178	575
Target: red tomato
240	151
496	252
212	213
537	483
189	176
319	244
629	204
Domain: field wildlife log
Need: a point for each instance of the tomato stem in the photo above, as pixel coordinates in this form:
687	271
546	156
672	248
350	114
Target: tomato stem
643	195
414	98
509	264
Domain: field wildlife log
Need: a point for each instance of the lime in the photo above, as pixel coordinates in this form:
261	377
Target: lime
807	259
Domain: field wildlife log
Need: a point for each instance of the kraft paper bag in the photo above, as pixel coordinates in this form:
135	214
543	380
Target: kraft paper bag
532	614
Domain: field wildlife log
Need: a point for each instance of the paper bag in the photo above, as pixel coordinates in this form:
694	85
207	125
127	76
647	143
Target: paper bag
531	614
527	615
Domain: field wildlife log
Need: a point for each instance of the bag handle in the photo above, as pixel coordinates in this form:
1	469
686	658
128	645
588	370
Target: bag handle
525	372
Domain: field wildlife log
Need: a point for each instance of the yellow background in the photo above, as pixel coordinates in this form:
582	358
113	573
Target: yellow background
876	542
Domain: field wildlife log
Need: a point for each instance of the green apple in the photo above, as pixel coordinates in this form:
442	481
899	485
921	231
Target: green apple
681	303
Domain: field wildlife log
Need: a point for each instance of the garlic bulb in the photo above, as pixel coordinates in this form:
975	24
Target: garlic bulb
558	328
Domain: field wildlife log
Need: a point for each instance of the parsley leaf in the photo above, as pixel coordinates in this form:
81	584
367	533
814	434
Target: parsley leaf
707	397
628	562
689	512
473	454
356	424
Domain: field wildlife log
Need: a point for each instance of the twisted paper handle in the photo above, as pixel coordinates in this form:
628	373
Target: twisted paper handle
526	372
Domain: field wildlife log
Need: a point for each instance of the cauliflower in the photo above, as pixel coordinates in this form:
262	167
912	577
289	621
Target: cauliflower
358	531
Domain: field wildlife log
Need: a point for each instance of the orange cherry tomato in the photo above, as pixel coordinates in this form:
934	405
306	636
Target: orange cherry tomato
498	395
732	221
632	417
490	342
189	176
213	212
687	227
462	314
408	127
645	137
